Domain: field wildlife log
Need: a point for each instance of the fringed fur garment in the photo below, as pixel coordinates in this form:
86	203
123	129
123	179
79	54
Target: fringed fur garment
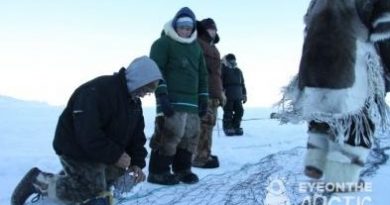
341	82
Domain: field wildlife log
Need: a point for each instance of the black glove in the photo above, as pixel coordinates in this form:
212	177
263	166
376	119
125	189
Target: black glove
166	106
203	109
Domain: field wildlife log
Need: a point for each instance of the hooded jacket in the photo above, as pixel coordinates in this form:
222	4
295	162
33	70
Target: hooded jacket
182	65
213	61
101	121
233	81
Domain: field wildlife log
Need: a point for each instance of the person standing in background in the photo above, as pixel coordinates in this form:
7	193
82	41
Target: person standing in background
234	86
207	38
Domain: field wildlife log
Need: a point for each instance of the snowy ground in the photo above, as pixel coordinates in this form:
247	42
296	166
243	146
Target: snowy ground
267	153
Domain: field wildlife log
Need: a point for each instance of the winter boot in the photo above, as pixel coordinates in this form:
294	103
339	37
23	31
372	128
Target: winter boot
30	185
159	169
239	131
187	176
215	160
166	178
229	131
182	167
317	151
313	172
215	157
212	162
344	165
236	124
228	126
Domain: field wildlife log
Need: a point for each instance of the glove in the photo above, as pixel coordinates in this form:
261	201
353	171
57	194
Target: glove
203	109
244	99
166	106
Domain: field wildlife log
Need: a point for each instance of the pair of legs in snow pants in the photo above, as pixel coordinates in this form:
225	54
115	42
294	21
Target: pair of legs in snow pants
173	143
78	183
203	157
232	116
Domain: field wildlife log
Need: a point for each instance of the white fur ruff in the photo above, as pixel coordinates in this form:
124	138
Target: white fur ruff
170	31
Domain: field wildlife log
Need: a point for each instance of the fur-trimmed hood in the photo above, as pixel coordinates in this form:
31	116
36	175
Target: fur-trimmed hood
170	31
204	35
226	63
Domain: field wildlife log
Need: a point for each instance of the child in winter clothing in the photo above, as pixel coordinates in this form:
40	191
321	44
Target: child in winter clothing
235	91
99	136
207	38
181	99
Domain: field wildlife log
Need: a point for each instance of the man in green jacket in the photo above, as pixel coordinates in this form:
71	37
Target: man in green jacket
181	98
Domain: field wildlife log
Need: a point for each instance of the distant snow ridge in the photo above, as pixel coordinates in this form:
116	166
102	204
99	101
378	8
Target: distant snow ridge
274	178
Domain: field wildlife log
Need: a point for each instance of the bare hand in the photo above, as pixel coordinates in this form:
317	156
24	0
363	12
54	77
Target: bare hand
139	176
123	161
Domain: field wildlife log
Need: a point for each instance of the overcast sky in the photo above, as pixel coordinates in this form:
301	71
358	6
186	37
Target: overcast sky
49	47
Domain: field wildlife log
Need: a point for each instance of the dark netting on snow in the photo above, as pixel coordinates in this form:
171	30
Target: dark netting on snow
253	183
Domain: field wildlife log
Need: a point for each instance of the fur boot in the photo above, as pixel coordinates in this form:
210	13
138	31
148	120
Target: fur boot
344	164
34	182
315	159
159	169
182	167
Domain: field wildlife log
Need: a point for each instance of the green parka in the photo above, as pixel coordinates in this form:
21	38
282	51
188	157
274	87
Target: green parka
183	67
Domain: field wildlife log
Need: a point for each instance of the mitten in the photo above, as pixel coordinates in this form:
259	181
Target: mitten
203	109
166	106
244	99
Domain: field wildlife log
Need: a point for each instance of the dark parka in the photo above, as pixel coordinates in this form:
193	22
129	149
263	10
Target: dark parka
100	122
233	83
213	61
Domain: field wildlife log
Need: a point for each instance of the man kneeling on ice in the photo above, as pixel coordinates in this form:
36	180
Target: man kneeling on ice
99	137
